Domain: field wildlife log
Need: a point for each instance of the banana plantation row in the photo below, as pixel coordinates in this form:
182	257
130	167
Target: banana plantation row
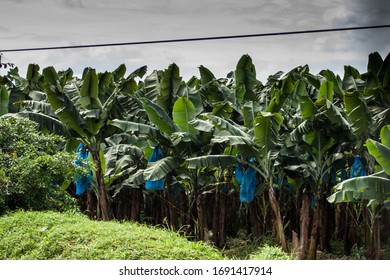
304	157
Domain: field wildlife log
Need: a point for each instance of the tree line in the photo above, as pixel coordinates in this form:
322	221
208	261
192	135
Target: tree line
303	156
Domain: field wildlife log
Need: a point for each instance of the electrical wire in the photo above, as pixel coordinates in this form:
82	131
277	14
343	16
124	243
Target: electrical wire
196	39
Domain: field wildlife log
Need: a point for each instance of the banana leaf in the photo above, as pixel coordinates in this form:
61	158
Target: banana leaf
266	131
374	188
357	112
211	161
160	168
158	116
4	99
133	127
183	112
245	78
381	152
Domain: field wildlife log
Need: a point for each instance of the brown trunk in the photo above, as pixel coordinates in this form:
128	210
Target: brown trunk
120	205
91	204
296	245
278	218
136	202
372	242
386	223
348	231
216	218
340	220
161	209
219	217
174	222
104	210
256	220
202	226
324	226
222	229
377	240
185	215
304	224
314	234
300	245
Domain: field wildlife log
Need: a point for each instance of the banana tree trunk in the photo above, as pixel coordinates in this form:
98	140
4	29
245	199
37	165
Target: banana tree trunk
257	217
91	204
219	217
372	242
300	243
136	199
348	242
202	225
172	204
216	217
104	210
222	224
314	233
278	217
377	240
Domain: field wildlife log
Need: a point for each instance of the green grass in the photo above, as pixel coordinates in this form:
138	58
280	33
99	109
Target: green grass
67	236
268	252
244	247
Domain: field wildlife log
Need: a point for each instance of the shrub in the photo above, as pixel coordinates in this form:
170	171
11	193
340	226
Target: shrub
33	170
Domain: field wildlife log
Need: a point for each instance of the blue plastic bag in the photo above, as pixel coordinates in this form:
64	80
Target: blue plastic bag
82	181
156	184
247	180
248	187
357	168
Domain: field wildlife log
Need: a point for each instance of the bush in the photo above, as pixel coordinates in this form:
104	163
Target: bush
33	171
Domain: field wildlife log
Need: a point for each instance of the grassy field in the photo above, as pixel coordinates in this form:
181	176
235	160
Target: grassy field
66	236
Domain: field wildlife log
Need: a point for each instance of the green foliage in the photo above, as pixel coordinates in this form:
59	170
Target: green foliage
183	112
374	188
381	151
268	252
33	171
245	76
67	236
266	130
298	126
4	99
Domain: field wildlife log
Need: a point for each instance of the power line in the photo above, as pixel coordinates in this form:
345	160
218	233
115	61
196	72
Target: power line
196	39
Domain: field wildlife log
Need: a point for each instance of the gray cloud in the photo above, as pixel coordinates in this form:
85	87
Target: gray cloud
72	3
73	22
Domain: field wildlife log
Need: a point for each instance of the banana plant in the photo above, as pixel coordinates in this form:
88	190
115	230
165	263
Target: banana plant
372	190
375	187
256	139
81	109
256	127
321	140
27	88
184	145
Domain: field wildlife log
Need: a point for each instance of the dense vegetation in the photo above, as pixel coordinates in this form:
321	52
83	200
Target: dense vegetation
33	172
302	157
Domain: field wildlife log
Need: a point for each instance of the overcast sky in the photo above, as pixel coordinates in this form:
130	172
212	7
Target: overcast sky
47	23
